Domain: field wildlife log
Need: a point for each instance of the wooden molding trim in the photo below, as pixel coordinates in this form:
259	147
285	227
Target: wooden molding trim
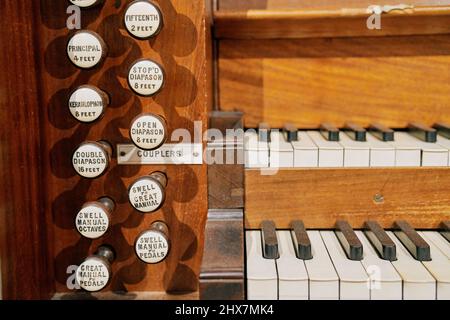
333	22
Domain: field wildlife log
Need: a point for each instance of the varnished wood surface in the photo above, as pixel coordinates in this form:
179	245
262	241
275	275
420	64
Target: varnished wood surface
334	22
138	295
183	100
225	176
222	274
311	4
25	249
320	197
392	80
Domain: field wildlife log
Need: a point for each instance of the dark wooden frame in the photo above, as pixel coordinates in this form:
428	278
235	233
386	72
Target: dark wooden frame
26	271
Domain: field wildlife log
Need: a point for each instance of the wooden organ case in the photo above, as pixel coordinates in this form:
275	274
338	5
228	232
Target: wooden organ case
41	192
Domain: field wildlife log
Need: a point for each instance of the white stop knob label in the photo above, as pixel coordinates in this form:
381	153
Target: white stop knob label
86	49
93	274
90	160
146	194
92	221
87	104
146	77
143	19
148	131
151	246
85	3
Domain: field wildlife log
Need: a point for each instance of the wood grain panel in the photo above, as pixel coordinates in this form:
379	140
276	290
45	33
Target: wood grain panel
315	23
319	197
222	273
139	295
393	80
308	4
225	176
24	248
181	48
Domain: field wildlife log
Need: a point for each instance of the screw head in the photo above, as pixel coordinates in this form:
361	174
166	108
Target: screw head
378	198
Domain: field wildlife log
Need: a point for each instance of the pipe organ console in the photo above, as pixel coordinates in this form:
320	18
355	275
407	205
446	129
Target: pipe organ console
225	149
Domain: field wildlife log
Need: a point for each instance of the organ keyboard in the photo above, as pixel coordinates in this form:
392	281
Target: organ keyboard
347	148
332	274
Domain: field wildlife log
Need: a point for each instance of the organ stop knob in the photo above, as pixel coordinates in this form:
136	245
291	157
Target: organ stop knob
95	273
147	194
148	131
153	245
94	218
88	103
143	19
91	159
86	49
146	77
86	3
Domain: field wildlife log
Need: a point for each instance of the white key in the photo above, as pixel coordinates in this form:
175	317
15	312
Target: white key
356	153
418	284
444	142
292	275
382	154
407	152
306	153
439	241
256	152
323	280
281	151
433	155
439	267
262	280
385	282
354	281
331	153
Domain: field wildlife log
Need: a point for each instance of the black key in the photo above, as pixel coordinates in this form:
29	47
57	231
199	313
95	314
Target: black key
269	240
355	131
291	132
422	132
349	240
443	129
264	132
415	244
445	230
381	132
329	131
380	240
301	240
